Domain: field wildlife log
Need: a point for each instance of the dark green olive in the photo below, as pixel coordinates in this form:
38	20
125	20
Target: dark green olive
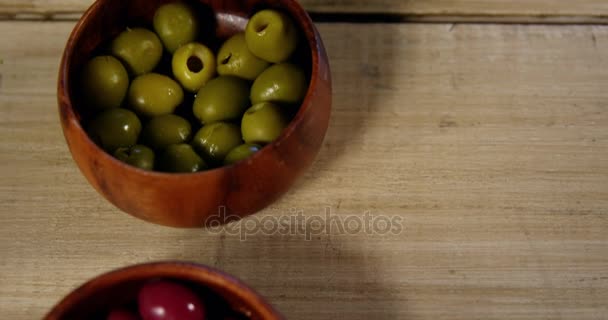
263	123
115	128
241	152
154	94
139	49
180	158
105	82
282	83
138	156
215	140
223	98
166	130
235	59
271	35
193	65
176	24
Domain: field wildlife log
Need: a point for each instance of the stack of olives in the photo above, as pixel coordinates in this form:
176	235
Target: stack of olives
236	99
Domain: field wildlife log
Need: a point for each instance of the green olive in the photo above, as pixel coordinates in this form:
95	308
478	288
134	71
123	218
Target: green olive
235	59
105	82
241	152
138	156
281	83
271	35
154	94
193	65
139	49
115	128
176	24
166	130
263	123
180	158
223	98
215	140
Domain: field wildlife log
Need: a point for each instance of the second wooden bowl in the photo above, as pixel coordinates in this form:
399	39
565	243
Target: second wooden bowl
120	287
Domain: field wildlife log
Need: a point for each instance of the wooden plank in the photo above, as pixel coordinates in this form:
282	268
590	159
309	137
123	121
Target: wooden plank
488	141
564	11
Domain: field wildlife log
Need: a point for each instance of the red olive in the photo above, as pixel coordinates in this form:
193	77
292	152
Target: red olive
165	300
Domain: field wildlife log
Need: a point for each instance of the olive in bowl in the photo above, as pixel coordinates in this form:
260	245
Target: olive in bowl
243	187
164	290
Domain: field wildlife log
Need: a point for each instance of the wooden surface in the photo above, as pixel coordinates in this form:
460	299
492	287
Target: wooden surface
581	11
489	141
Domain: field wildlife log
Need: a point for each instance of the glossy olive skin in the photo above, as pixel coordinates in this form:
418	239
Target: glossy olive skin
104	82
283	83
223	98
139	48
176	24
167	300
193	65
154	94
214	141
180	158
138	156
241	152
166	130
115	128
263	123
235	59
271	35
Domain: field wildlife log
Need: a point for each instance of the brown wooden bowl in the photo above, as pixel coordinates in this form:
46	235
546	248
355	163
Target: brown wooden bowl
195	200
120	287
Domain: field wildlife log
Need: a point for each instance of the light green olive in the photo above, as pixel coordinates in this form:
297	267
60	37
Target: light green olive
223	98
139	48
180	158
153	94
235	59
138	156
263	123
193	65
166	130
105	82
176	24
115	128
271	35
282	83
215	140
241	152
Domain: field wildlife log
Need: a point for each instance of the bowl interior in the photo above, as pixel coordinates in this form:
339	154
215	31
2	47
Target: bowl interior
219	20
224	296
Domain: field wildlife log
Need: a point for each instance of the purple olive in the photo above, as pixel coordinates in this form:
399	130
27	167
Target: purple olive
165	300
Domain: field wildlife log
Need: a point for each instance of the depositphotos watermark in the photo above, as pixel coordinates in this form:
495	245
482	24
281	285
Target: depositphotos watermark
296	223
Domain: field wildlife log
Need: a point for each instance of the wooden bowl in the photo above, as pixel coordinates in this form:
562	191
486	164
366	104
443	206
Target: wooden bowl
219	195
120	287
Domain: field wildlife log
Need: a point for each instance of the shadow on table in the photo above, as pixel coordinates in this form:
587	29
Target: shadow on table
363	61
321	278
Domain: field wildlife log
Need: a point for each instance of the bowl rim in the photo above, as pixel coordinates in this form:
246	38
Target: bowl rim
307	29
179	270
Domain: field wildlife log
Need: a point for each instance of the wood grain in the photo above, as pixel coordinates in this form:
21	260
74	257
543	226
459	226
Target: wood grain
488	141
548	11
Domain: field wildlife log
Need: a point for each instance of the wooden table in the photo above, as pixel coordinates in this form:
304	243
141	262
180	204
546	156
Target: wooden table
489	141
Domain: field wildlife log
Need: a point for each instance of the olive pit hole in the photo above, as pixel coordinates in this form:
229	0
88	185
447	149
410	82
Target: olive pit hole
227	59
195	64
261	27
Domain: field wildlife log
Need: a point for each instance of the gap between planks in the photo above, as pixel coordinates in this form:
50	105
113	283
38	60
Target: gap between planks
342	17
